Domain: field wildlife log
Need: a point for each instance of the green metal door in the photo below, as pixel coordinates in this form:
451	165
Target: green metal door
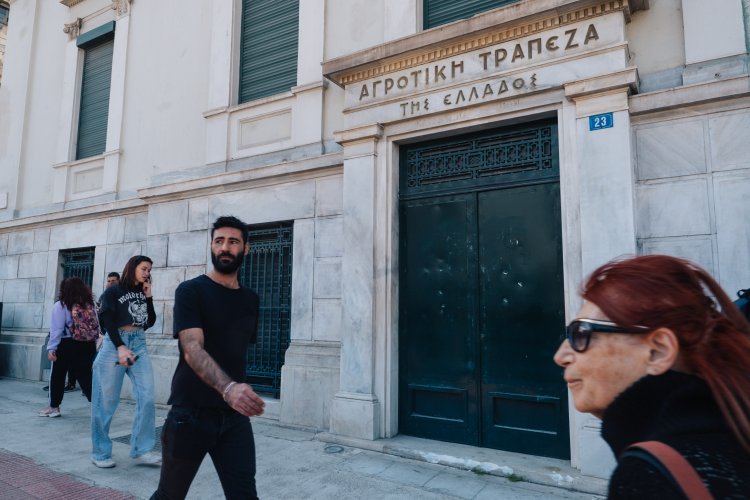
481	291
438	361
521	312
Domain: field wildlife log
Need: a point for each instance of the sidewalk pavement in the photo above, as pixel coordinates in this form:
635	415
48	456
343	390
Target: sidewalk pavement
44	457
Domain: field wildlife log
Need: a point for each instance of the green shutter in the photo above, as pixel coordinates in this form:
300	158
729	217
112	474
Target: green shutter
437	12
268	52
92	119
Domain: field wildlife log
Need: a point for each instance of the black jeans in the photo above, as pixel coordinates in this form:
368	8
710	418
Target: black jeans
74	356
190	433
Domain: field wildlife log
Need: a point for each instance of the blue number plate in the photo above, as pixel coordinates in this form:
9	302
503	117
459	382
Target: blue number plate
598	122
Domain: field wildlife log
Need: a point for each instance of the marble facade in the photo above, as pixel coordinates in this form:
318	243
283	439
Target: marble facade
671	176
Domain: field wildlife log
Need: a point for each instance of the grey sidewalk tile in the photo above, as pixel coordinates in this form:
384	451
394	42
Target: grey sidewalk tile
410	474
461	486
366	464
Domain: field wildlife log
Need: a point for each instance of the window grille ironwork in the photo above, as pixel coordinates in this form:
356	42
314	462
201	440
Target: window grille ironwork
267	269
78	262
484	159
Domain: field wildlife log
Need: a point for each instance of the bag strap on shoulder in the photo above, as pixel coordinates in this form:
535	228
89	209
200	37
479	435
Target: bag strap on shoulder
684	475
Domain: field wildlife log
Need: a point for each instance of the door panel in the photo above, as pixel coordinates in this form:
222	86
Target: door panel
521	315
438	369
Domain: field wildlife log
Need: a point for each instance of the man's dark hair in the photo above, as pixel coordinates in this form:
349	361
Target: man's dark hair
114	274
230	221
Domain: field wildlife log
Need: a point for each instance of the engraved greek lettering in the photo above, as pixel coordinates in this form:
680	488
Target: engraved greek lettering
416	74
487	90
460	97
538	42
473	93
363	92
518	83
503	88
571	34
552	43
388	84
375	87
426	104
447	100
403	108
591	34
500	55
439	73
517	53
484	56
402	82
455	65
414	107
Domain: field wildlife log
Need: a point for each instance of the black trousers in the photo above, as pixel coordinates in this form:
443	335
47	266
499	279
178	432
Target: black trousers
190	433
74	356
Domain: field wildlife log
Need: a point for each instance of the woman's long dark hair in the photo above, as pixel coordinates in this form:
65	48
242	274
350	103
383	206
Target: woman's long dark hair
74	291
714	337
128	274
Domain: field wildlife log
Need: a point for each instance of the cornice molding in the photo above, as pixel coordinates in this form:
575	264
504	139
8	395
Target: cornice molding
70	3
377	61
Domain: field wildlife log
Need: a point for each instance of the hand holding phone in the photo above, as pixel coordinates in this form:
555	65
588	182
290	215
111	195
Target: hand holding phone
130	361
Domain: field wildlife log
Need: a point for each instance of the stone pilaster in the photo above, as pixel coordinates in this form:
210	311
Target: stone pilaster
355	410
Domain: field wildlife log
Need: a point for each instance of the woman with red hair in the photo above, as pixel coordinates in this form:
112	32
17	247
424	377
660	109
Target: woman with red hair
660	354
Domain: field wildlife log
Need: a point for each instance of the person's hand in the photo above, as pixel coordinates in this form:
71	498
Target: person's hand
242	398
124	355
147	287
52	355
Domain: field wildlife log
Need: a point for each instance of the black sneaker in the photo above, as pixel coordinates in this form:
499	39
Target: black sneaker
70	388
45	388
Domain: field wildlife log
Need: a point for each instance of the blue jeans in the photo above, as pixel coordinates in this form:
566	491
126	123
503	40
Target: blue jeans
191	433
106	387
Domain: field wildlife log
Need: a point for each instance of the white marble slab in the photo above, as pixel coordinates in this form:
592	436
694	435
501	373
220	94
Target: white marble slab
28	315
187	249
166	281
16	290
41	239
670	150
32	265
329	236
302	279
327	319
267	204
165	218
679	208
20	242
697	249
118	256
198	214
730	143
327	284
135	227
329	194
3	244
116	230
79	234
156	249
733	230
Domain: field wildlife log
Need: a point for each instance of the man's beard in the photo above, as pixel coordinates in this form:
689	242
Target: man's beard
226	267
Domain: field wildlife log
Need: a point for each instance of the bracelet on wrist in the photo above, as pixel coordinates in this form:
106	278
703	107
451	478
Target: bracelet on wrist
228	388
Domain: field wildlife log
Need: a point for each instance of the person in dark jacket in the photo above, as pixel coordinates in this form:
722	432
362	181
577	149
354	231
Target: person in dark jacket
127	311
659	353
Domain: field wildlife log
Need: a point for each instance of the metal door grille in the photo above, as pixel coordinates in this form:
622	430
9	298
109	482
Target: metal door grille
267	270
480	160
78	262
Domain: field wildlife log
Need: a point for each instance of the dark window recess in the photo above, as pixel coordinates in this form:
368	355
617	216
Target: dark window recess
78	262
437	12
268	48
94	111
267	270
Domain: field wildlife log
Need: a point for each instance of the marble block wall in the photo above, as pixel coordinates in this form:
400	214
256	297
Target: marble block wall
693	189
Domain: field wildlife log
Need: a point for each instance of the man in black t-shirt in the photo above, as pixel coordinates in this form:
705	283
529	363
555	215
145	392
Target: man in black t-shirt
214	319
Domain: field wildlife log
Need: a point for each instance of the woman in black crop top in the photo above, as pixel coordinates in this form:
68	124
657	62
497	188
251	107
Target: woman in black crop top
127	310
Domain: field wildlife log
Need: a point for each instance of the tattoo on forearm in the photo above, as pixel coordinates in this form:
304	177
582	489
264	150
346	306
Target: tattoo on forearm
202	363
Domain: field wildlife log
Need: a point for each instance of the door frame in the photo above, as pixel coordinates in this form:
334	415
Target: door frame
386	250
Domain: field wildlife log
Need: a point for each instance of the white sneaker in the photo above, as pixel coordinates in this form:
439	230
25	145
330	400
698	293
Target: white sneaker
50	412
107	463
149	458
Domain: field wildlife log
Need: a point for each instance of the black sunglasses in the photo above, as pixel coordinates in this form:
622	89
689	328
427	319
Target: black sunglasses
578	332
